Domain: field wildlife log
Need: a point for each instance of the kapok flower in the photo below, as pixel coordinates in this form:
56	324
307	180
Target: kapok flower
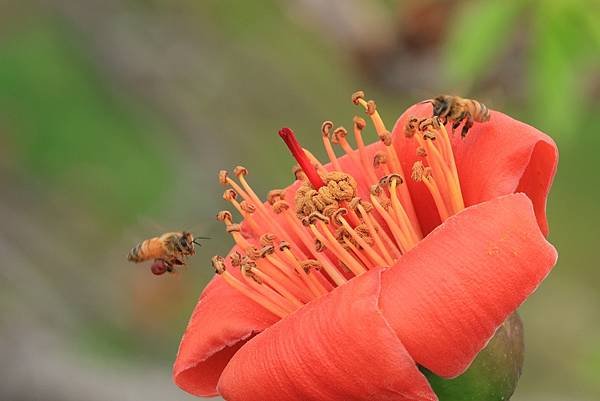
408	252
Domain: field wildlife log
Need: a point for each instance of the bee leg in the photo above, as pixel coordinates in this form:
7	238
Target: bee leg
458	121
176	261
168	265
467	126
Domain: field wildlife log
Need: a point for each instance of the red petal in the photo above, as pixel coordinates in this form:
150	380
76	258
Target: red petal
496	158
338	347
222	322
447	296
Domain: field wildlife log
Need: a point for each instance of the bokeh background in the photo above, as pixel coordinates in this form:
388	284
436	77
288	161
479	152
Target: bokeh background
115	116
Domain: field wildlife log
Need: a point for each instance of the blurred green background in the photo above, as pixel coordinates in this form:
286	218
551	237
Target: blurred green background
115	117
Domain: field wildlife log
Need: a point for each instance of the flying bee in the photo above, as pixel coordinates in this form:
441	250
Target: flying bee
457	109
168	250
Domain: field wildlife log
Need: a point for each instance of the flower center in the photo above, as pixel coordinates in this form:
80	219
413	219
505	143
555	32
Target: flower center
354	216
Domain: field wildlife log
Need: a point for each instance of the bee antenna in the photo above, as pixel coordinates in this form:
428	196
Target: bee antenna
426	101
195	241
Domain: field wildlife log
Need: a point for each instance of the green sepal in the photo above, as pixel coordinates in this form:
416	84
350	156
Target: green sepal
493	375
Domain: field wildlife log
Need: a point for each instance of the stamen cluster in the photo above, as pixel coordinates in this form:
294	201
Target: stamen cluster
290	256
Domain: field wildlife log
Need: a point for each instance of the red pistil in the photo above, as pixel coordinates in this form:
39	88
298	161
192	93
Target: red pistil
292	143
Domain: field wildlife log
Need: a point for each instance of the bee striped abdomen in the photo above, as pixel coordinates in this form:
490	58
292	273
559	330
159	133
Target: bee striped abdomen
149	249
479	111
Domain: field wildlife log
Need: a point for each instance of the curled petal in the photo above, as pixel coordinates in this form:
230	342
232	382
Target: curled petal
221	323
447	297
338	347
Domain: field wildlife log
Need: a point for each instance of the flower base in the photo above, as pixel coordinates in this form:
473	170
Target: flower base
494	374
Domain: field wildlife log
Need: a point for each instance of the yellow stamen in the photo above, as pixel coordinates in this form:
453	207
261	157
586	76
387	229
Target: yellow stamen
274	308
374	256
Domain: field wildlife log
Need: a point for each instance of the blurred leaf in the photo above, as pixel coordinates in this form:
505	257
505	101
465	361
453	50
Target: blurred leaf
477	36
70	132
555	99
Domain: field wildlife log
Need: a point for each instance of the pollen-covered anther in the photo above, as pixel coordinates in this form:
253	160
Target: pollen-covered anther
223	177
421	152
359	122
283	245
341	233
429	135
275	195
417	171
313	218
326	128
229	194
267	239
280	206
218	263
247	207
252	252
379	159
267	250
397	177
248	269
338	215
236	259
384	181
299	173
341	185
339	134
411	128
225	216
310	264
319	245
386	138
356	202
357	96
363	231
371	107
431	122
330	210
240	171
375	190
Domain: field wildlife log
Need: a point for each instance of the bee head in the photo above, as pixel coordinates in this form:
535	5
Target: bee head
441	104
186	243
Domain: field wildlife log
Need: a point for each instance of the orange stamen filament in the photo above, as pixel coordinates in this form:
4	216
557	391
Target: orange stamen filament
401	215
400	238
328	266
326	237
393	159
247	216
293	275
374	256
281	277
363	258
331	153
313	283
375	235
277	287
360	144
437	197
266	303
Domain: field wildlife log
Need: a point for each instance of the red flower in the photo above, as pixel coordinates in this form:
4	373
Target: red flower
434	279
